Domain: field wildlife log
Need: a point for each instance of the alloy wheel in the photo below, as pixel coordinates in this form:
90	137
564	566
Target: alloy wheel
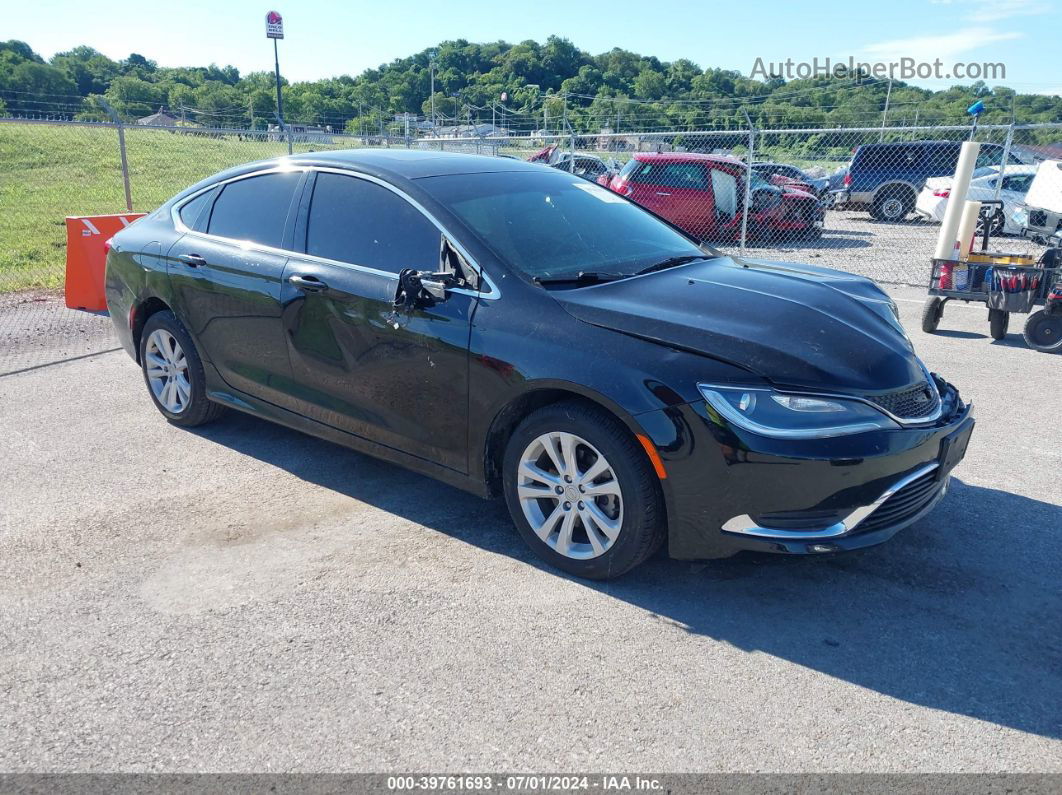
167	371
892	208
570	495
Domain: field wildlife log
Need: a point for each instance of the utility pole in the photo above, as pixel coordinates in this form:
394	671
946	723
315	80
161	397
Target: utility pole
884	113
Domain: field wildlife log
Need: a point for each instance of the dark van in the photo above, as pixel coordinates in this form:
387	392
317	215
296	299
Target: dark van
886	178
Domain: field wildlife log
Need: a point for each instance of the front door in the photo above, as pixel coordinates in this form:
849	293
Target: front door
395	377
679	192
226	278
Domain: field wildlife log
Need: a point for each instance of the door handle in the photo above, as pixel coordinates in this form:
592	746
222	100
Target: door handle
192	260
309	284
661	193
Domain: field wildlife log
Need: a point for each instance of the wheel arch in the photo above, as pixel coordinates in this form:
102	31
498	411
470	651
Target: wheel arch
141	311
518	407
894	184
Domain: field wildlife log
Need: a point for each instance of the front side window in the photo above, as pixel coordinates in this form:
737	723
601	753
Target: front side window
357	221
255	208
551	223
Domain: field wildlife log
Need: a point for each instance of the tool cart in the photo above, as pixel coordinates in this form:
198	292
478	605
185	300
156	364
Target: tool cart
1005	283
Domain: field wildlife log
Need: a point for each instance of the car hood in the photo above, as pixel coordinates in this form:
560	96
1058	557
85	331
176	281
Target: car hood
794	325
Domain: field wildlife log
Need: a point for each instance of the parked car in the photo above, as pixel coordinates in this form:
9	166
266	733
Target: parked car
588	167
1013	185
702	194
886	178
782	174
1041	216
514	330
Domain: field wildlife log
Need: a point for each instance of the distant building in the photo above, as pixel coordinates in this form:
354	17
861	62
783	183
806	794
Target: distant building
160	119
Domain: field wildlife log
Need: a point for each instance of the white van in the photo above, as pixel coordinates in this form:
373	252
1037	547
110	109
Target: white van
1041	216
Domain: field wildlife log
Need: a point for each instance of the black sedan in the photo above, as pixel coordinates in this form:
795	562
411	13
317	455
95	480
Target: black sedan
516	330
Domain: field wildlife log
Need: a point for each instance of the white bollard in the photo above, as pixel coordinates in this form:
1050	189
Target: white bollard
947	242
968	227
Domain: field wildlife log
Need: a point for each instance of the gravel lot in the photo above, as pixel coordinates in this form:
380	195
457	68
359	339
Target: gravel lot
247	598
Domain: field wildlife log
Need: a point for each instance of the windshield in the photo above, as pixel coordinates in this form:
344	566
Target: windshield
550	223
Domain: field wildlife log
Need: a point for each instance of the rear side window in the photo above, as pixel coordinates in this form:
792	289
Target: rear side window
1019	183
255	209
940	158
356	221
193	213
674	175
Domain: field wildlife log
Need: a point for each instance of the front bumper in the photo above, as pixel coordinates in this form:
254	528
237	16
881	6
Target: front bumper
728	490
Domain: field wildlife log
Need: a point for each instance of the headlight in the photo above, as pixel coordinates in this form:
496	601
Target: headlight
785	416
1020	217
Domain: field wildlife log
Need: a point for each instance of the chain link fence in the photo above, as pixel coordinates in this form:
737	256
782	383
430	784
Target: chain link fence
865	200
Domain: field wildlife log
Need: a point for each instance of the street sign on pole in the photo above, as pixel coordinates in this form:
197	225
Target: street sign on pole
274	25
274	31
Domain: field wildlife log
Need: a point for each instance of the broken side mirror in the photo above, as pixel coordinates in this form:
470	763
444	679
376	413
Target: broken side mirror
421	289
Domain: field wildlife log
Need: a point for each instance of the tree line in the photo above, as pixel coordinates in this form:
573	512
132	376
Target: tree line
524	87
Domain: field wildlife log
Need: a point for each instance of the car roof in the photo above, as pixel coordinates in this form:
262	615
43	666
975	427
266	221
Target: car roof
884	144
410	163
391	165
686	157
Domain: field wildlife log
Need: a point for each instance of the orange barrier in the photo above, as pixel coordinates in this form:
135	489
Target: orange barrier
86	257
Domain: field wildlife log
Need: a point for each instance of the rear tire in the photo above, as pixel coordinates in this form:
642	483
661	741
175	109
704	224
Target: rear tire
173	372
607	527
893	204
1043	332
998	322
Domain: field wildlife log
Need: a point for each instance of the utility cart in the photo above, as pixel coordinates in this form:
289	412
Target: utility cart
1005	283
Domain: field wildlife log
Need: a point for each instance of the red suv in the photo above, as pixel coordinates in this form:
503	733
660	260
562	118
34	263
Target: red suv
702	194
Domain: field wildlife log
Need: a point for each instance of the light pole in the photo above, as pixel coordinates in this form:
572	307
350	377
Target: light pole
431	66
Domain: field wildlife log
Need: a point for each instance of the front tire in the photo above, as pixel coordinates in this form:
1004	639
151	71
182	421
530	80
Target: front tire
998	322
932	312
1043	332
581	491
174	373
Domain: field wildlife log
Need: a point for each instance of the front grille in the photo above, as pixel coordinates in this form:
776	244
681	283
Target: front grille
1037	218
904	504
908	404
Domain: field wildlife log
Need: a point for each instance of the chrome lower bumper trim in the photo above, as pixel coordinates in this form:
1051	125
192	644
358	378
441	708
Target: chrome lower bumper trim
744	525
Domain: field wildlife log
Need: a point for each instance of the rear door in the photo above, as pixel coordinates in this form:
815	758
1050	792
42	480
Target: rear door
226	277
396	378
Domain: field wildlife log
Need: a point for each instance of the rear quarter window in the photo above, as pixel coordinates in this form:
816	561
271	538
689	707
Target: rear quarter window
195	213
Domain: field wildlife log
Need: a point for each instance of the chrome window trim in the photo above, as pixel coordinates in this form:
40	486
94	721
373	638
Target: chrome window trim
491	294
744	524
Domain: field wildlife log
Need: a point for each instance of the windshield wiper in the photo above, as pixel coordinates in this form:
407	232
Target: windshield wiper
672	262
580	277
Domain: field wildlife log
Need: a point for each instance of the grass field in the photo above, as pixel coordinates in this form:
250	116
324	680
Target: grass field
48	172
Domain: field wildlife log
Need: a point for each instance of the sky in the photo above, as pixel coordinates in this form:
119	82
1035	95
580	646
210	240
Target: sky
331	37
